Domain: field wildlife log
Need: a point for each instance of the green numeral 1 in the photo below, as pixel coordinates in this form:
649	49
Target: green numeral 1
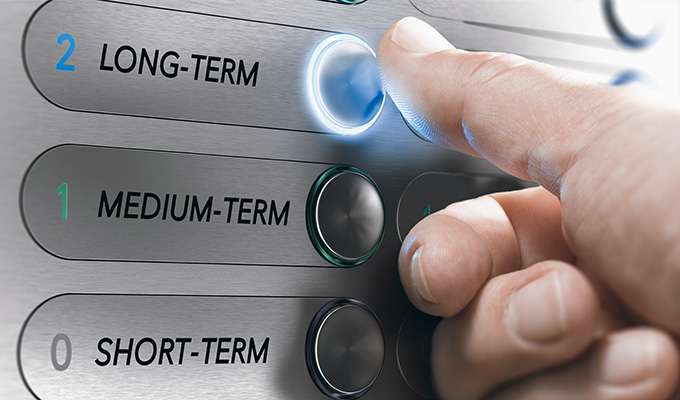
63	192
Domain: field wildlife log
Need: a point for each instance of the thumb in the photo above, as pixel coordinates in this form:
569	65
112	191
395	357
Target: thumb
529	119
609	156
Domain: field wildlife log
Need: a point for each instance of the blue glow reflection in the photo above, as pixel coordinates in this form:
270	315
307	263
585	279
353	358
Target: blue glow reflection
343	84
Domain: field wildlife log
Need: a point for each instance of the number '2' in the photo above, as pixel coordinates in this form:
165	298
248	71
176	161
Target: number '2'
61	66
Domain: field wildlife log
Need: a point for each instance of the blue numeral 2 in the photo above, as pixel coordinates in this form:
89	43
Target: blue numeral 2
72	46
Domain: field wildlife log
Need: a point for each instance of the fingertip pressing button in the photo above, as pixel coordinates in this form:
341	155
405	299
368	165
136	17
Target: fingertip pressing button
344	85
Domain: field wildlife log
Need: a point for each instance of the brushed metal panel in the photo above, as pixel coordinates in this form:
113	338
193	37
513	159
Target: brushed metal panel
389	152
432	192
585	19
273	371
159	206
222	70
570	34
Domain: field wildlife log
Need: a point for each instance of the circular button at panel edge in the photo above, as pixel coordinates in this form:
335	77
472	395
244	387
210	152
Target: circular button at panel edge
345	349
636	24
345	216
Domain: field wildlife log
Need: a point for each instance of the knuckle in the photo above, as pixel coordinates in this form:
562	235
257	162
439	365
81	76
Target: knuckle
484	68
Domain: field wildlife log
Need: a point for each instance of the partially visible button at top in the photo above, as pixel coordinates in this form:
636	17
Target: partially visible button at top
344	85
636	24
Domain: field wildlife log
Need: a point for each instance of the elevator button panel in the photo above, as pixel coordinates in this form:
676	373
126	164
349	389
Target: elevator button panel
222	70
99	203
169	347
237	170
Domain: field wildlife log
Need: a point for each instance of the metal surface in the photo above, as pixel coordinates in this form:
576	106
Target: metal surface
170	347
389	152
433	191
154	69
414	346
170	207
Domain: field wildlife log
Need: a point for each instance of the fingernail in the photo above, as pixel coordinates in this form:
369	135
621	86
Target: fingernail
537	312
629	359
416	36
418	277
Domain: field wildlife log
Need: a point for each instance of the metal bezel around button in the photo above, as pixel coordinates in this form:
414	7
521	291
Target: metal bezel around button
312	349
316	97
315	231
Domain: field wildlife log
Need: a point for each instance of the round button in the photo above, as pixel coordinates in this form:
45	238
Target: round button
345	349
635	23
345	216
344	84
414	345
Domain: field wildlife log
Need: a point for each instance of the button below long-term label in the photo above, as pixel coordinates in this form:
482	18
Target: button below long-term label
170	347
99	203
107	56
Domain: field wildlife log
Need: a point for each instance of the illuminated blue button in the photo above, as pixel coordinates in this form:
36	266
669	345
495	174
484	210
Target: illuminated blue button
344	84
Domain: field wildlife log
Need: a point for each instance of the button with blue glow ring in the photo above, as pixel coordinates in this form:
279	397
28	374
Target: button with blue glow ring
344	85
636	24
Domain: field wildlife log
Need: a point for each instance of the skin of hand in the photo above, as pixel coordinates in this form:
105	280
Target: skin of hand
567	291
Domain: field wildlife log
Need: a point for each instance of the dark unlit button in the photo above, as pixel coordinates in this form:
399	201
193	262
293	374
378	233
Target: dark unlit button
345	216
414	345
345	349
636	24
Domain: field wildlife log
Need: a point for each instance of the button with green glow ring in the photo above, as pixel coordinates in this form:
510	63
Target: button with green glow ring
345	216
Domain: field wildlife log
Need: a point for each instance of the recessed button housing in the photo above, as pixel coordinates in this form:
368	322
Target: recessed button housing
414	345
345	216
344	85
345	349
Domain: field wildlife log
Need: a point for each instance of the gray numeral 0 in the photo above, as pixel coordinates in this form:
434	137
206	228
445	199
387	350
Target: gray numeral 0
63	366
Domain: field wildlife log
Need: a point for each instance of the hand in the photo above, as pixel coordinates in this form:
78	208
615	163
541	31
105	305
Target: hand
569	291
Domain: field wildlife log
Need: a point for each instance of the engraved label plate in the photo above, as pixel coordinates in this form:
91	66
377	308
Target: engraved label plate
111	57
168	347
99	203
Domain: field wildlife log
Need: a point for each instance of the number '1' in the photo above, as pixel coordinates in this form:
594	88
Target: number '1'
63	192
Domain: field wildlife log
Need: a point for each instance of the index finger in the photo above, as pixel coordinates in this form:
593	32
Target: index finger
530	119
